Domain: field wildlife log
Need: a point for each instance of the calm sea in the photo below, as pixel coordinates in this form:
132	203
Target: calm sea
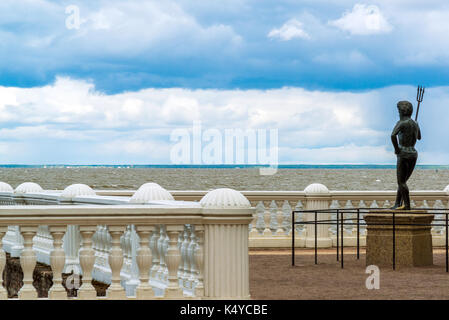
288	177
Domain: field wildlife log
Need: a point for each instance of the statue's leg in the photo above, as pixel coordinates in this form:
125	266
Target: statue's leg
411	162
402	173
411	167
398	201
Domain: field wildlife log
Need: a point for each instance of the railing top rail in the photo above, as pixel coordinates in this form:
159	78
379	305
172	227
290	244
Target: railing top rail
378	210
255	194
119	215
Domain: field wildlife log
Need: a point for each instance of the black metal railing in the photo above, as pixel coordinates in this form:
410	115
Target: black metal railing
340	221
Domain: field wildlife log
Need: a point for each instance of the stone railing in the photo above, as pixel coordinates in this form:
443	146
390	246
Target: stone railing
271	226
161	248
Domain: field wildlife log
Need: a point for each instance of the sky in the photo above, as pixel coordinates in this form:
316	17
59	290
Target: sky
111	82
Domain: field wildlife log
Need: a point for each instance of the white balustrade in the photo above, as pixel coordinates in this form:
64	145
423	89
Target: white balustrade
192	262
182	258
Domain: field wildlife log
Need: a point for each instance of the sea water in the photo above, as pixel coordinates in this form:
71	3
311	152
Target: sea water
344	177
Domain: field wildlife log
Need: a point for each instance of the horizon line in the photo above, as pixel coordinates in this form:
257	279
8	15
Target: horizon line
18	165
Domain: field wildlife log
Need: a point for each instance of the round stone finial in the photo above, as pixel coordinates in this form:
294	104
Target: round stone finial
76	190
150	192
316	188
28	187
148	185
225	198
5	187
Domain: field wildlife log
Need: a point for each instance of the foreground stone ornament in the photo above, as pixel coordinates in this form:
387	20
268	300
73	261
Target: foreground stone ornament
413	246
225	198
227	215
150	192
77	190
5	187
28	187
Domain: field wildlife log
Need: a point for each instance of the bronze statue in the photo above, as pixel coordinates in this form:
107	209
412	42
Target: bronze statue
407	130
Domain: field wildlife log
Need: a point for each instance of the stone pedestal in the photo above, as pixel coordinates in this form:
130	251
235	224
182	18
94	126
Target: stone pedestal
317	198
413	238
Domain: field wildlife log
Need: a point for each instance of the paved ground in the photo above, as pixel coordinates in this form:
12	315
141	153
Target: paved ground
273	277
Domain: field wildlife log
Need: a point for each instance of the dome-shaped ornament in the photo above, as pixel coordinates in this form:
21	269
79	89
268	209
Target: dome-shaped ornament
225	198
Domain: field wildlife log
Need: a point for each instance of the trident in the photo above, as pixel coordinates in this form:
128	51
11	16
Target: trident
419	96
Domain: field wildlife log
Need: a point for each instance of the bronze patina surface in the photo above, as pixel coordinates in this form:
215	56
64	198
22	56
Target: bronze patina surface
407	131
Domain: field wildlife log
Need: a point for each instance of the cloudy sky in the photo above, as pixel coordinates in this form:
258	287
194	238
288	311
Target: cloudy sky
108	82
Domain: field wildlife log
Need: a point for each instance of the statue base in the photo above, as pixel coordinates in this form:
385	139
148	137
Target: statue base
412	233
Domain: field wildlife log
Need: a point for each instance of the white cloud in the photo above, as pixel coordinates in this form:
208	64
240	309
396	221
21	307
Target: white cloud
289	30
70	122
143	25
108	29
363	20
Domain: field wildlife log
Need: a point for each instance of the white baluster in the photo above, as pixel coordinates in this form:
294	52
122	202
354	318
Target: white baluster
184	257
287	217
71	244
155	252
274	225
199	261
267	217
173	258
96	248
100	263
134	269
299	216
165	245
144	258
438	230
191	276
115	290
125	271
181	247
57	291
333	227
348	217
87	259
363	212
17	239
161	249
181	265
108	239
260	212
28	263
42	246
